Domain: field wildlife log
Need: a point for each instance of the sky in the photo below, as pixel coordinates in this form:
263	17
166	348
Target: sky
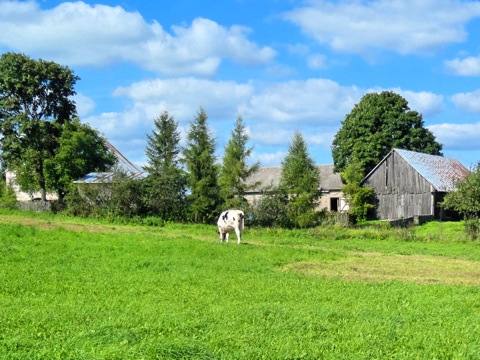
283	65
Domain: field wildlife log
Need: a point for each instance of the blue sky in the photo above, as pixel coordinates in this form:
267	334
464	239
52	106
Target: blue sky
284	66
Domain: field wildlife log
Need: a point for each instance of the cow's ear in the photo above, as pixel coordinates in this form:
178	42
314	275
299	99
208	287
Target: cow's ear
242	216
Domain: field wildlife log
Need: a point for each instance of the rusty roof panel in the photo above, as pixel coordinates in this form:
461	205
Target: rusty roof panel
442	173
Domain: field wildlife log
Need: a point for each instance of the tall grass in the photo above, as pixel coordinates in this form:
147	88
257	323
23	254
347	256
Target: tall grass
73	289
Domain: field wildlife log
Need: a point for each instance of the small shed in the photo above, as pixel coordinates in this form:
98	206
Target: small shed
409	184
331	199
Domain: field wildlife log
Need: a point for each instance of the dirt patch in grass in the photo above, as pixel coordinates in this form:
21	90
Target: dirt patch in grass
375	267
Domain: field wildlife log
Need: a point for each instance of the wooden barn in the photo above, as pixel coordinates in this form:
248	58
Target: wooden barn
411	184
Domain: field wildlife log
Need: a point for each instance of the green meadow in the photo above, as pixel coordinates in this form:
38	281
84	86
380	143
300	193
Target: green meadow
84	289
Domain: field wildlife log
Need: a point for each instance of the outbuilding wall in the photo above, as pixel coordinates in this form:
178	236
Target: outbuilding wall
400	191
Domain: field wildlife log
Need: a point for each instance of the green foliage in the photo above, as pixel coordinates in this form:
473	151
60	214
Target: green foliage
35	100
235	170
271	210
165	186
8	199
202	172
359	198
80	150
122	198
300	179
376	125
466	200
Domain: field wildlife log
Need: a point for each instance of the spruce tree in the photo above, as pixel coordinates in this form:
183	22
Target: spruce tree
235	169
202	172
300	180
166	182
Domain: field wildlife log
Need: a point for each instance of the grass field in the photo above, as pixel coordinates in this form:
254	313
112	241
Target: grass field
78	289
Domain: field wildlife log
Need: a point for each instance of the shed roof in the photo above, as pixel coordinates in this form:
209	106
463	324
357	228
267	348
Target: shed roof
441	172
270	176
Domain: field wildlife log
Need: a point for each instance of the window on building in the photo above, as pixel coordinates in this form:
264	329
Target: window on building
334	204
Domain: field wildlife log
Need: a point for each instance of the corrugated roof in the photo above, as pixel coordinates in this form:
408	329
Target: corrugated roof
270	176
441	172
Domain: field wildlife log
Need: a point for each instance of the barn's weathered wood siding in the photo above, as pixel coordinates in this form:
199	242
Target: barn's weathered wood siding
400	191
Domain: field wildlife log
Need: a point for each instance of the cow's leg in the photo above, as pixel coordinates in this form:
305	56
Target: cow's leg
222	235
239	235
226	237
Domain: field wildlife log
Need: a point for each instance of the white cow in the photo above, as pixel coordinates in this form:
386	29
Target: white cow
229	221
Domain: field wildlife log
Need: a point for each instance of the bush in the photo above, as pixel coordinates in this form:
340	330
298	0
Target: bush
8	200
472	228
271	211
121	198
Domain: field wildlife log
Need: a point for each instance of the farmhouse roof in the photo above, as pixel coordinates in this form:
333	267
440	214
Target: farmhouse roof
441	172
270	176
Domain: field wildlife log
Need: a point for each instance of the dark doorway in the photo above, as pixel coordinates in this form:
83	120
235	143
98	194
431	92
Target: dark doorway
334	204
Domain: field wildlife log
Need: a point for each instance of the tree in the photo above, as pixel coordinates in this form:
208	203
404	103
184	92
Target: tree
202	172
80	150
35	97
376	125
166	182
300	179
466	200
8	199
235	170
358	197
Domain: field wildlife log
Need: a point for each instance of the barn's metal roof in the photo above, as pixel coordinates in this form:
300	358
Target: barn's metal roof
441	172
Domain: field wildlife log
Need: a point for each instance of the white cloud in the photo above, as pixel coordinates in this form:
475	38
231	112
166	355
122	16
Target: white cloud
85	105
402	26
268	158
469	102
426	103
457	136
184	96
314	100
79	34
469	66
317	62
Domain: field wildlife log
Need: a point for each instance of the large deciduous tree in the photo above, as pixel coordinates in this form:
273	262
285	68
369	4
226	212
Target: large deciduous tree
80	150
35	100
202	171
300	179
235	169
376	125
166	181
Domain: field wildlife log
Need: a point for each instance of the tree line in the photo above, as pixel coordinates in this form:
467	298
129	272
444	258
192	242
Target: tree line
47	146
188	184
44	143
